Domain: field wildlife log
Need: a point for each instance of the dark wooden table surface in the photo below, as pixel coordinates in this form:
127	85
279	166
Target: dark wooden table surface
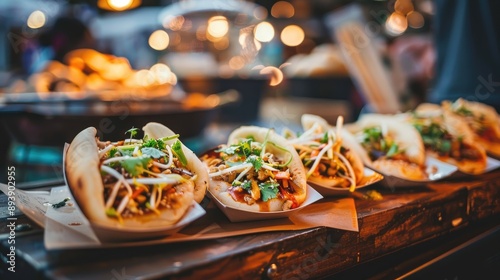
408	223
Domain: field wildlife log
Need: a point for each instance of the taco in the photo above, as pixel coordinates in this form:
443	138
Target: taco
131	182
482	119
328	162
448	138
257	170
389	145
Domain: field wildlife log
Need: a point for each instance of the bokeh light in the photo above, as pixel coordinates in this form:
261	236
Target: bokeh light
292	35
218	26
221	44
264	32
162	73
236	62
396	24
415	19
120	5
275	75
159	40
260	13
36	19
282	9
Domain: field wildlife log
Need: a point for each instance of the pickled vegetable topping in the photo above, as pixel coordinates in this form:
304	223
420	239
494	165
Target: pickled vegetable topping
255	174
140	175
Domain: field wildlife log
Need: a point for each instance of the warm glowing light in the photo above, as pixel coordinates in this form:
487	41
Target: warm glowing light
116	68
120	5
175	39
159	40
403	6
201	33
396	24
257	44
260	13
292	35
275	75
36	19
242	39
264	32
176	23
217	26
221	44
236	62
282	9
415	19
144	78
161	72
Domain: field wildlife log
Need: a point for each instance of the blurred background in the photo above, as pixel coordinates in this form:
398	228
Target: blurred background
199	67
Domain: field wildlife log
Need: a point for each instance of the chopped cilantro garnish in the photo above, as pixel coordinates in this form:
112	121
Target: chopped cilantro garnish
136	165
243	148
256	161
246	147
154	143
152	152
268	190
231	150
377	145
112	152
247	185
372	134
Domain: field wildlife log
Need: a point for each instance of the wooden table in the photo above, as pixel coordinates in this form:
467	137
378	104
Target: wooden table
405	220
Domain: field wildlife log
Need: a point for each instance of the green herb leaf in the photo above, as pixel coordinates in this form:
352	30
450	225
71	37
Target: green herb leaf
61	204
126	152
152	152
242	149
246	147
393	150
444	146
231	150
247	185
112	152
136	165
177	149
132	131
464	111
324	139
268	190
372	134
256	161
154	143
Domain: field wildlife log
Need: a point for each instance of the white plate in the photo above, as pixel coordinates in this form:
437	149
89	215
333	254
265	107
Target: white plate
239	215
369	177
436	170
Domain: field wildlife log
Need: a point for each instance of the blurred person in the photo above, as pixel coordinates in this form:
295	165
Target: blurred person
460	59
467	42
